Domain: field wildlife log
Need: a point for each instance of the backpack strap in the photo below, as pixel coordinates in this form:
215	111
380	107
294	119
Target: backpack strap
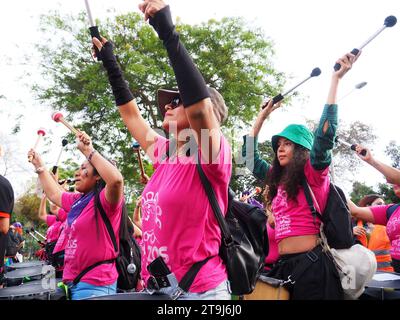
310	200
391	210
189	276
226	234
113	239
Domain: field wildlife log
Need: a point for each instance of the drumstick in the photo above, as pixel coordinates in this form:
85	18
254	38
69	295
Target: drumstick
41	133
136	148
58	117
38	233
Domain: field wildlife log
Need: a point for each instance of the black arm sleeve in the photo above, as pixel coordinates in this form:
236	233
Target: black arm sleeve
119	85
191	84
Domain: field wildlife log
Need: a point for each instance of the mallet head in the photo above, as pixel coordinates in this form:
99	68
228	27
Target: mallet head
56	116
390	21
315	72
64	142
41	132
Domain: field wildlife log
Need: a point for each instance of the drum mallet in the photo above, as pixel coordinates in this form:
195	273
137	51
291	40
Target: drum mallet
351	146
41	133
136	148
314	73
94	30
58	117
38	233
64	142
389	22
32	235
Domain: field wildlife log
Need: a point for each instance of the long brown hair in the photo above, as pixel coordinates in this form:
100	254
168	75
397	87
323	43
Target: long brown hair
290	176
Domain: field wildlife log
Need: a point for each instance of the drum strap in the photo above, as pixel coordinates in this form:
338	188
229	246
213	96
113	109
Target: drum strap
86	270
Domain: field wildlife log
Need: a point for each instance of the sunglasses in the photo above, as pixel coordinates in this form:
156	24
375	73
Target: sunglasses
175	102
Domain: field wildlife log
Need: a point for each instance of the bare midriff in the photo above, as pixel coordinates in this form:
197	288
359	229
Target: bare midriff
297	244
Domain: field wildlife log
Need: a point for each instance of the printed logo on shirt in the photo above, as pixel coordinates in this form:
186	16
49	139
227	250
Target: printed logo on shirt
152	213
282	222
72	244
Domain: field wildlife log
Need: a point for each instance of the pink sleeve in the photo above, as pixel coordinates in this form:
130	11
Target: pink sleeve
316	177
110	209
157	150
221	167
62	215
50	219
67	199
379	213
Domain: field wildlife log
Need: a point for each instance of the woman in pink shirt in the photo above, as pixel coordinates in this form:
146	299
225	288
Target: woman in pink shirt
98	183
386	215
178	223
300	159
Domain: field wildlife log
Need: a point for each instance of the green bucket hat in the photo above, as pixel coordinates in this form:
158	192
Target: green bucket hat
296	133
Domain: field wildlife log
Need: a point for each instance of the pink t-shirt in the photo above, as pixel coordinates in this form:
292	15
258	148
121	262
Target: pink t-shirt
87	242
178	221
55	224
294	218
273	253
392	227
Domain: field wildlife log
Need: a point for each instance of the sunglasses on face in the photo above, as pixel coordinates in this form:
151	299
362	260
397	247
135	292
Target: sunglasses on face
175	102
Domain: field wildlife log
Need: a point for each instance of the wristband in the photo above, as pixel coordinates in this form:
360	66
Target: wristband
89	158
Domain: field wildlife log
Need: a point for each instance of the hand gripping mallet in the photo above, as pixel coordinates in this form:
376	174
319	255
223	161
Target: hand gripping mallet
389	22
94	30
64	142
136	148
58	117
351	146
41	133
314	73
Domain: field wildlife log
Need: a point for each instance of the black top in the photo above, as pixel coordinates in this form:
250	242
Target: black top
6	198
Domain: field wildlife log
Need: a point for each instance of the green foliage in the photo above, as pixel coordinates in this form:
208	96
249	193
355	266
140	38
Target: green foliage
385	190
359	191
26	208
393	151
233	58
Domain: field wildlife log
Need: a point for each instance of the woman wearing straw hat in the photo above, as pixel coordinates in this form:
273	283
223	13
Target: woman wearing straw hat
178	222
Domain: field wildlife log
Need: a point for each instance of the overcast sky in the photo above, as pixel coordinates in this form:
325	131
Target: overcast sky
306	34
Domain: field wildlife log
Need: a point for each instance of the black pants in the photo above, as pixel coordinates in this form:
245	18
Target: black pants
396	265
318	281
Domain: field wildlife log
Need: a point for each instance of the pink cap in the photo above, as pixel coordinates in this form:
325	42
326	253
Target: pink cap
41	131
56	116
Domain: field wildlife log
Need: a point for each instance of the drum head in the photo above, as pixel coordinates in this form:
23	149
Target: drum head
132	296
378	281
26	292
27	264
16	277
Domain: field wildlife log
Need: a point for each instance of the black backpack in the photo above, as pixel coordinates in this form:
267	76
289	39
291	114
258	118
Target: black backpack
244	239
128	261
336	217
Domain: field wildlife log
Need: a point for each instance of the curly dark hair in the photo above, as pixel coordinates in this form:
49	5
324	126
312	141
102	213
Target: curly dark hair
290	176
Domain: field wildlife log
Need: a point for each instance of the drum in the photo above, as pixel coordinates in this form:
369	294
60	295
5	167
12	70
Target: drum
26	292
23	275
27	264
132	296
383	286
268	289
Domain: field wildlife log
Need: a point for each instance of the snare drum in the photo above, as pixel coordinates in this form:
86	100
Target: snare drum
23	275
268	289
27	264
132	296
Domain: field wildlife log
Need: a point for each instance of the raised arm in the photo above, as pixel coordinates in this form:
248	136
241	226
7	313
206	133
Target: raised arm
192	87
107	171
128	109
321	155
250	154
360	213
42	208
50	187
391	174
